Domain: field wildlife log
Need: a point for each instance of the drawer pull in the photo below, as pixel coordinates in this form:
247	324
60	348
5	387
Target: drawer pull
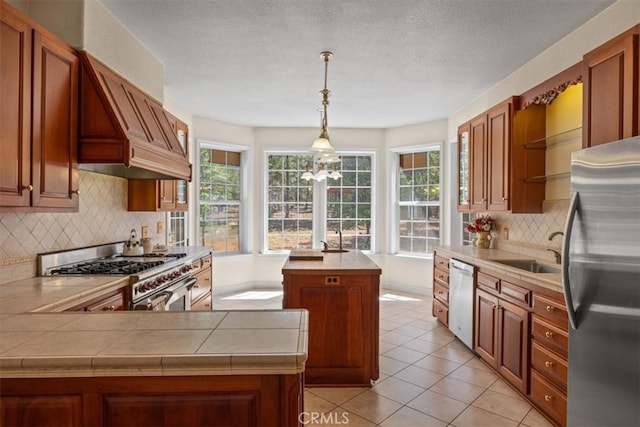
439	310
494	306
548	334
550	308
548	397
440	292
548	364
110	308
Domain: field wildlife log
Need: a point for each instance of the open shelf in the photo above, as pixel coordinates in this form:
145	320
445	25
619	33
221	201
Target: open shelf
547	177
555	139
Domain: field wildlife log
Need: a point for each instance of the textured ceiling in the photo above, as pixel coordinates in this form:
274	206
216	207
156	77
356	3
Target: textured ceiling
396	62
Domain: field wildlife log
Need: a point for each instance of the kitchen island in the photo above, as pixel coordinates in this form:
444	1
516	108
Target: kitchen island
214	368
341	292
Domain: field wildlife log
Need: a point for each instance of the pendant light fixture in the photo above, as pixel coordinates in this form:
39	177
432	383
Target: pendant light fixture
323	151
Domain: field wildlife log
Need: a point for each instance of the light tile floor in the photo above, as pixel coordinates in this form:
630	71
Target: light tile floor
427	377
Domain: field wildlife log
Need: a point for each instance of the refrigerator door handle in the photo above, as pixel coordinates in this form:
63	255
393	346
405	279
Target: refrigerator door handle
573	208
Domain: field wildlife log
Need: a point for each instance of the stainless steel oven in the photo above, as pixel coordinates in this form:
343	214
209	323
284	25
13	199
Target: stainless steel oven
175	297
156	281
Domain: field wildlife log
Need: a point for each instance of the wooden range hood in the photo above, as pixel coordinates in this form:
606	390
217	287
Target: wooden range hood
124	131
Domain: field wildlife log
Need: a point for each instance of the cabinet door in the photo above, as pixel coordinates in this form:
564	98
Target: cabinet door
15	110
113	303
41	410
477	169
167	195
499	142
464	157
610	103
513	344
54	124
486	326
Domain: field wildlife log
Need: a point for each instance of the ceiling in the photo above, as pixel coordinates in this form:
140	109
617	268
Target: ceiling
395	62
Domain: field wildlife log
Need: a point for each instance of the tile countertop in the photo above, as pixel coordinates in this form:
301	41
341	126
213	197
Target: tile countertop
37	339
487	257
349	262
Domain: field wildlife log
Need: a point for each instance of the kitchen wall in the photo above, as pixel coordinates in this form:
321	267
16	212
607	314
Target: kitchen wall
102	218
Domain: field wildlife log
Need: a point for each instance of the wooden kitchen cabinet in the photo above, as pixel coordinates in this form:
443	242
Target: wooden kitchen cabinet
549	352
493	165
612	90
39	86
502	329
341	293
201	298
117	300
440	308
211	400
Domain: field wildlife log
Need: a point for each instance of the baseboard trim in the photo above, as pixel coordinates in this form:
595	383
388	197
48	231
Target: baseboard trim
418	290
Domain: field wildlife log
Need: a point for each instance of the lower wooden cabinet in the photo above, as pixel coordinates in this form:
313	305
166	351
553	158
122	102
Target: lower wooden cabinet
501	340
440	308
112	301
343	326
201	292
227	400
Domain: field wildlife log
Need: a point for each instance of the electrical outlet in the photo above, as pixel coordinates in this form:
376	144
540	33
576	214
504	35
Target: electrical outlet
144	231
159	227
505	233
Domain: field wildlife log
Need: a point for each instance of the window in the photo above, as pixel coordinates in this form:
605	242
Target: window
300	213
220	199
467	218
289	203
177	228
418	199
349	204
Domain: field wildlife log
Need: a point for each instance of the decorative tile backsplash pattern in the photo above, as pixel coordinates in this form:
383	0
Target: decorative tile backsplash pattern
102	218
529	233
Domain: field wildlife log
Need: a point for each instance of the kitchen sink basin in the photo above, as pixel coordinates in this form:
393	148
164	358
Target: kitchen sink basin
332	251
532	266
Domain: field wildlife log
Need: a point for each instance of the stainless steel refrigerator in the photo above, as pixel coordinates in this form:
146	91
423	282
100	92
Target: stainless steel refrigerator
601	279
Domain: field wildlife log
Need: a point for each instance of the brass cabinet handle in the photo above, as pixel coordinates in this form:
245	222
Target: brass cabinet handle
550	308
440	292
504	199
494	306
27	187
76	192
548	334
547	397
438	311
548	364
110	308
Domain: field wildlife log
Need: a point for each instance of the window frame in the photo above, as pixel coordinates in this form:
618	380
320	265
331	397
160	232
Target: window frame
243	244
319	216
394	196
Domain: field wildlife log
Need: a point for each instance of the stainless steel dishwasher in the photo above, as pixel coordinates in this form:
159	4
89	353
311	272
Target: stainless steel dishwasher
461	301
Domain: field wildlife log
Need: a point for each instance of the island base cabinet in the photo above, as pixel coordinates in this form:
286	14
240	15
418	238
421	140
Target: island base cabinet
233	400
343	326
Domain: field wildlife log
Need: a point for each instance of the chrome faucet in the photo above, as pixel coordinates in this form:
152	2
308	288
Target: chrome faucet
325	245
338	231
557	254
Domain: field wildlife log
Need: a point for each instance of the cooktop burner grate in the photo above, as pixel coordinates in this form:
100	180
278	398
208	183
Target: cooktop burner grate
107	267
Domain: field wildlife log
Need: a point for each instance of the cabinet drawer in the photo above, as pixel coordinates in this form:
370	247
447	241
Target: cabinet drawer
441	262
203	305
206	262
112	303
203	285
441	312
441	292
554	311
515	293
441	275
552	401
488	282
549	335
549	364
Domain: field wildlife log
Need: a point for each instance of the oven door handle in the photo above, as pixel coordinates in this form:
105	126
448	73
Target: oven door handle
190	282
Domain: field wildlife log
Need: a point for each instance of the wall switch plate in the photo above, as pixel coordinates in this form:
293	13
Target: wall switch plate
505	233
144	231
159	227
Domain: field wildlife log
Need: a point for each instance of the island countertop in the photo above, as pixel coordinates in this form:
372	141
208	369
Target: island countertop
130	343
351	262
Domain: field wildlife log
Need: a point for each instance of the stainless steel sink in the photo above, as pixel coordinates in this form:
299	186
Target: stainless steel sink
532	266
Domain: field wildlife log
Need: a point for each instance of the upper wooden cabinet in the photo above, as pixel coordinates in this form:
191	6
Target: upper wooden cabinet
612	90
39	117
493	164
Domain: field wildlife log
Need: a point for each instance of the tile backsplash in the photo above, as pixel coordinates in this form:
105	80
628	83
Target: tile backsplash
529	233
102	218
